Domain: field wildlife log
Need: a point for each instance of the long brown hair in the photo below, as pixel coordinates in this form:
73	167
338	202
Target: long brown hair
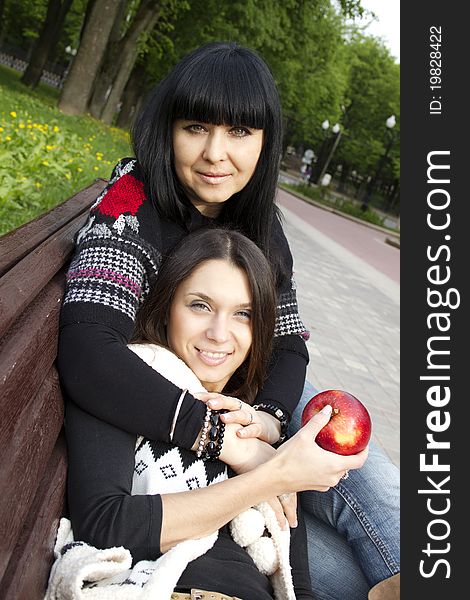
193	250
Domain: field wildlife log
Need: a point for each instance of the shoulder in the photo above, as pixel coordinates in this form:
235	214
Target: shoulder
280	239
281	256
123	208
125	192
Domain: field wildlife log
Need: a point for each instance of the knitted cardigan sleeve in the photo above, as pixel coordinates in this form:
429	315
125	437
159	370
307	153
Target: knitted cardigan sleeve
118	253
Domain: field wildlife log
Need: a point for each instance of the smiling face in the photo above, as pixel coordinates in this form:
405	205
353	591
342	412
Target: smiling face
213	162
209	325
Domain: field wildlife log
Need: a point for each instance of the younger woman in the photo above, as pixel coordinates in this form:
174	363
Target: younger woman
213	306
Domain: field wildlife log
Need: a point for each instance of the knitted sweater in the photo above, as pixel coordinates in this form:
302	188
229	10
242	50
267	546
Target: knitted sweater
117	257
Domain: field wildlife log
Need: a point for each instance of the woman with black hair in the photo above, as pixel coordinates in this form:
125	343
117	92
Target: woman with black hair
207	149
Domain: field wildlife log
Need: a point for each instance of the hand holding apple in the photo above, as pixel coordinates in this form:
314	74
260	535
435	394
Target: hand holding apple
349	428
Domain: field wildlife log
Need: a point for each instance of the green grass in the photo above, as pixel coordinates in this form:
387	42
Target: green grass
46	156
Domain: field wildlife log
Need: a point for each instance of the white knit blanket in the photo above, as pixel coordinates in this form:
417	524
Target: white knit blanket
81	571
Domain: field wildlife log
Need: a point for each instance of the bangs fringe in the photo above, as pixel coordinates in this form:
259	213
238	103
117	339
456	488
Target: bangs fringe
222	93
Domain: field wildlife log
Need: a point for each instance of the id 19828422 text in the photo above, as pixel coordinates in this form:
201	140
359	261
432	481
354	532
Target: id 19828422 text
435	70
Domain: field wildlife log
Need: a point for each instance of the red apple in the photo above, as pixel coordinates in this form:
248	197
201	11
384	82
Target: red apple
349	428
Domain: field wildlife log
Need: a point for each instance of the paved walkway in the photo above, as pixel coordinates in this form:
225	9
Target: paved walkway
352	311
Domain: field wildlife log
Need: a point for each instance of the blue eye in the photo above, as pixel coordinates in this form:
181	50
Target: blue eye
244	314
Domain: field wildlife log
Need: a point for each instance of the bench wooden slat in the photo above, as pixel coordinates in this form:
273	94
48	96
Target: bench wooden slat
28	351
24	460
33	262
28	571
27	278
20	242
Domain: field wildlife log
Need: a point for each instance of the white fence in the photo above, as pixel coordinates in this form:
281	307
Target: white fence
18	64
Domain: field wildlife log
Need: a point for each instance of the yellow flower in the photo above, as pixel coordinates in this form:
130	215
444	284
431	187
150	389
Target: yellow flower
8	139
68	176
13	114
95	168
50	147
45	163
21	125
1	129
38	185
79	169
56	129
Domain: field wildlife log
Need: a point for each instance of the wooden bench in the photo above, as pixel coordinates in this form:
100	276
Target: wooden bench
33	261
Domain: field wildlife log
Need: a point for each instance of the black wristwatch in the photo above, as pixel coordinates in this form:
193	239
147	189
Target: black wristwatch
278	414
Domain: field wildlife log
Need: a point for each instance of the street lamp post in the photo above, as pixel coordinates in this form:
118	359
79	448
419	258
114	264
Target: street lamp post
336	129
390	124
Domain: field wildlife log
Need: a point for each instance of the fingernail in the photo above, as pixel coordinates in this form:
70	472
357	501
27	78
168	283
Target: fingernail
213	404
327	410
241	433
295	524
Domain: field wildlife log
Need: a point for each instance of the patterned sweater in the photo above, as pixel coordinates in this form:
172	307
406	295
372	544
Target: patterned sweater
117	257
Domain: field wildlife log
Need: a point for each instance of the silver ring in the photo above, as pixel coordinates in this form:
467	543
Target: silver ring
240	404
284	497
346	474
251	418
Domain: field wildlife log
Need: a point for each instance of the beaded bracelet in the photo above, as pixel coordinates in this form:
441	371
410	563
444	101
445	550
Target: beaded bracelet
216	436
205	428
277	413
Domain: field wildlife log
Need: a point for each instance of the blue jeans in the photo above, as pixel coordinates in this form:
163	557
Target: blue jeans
353	529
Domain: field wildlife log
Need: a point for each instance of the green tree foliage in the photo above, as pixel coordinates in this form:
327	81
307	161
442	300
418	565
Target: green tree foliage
21	22
372	95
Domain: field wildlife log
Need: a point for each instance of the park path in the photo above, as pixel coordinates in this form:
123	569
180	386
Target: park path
349	299
363	241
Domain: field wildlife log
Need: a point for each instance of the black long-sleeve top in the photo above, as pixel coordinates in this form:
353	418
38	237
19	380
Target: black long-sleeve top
104	513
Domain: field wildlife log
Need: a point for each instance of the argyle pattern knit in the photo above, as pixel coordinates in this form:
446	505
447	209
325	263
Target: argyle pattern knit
118	254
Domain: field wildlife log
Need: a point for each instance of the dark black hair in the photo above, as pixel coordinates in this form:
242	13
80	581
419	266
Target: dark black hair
195	249
219	83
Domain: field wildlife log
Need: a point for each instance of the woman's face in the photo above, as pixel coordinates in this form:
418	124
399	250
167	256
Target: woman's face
213	162
209	325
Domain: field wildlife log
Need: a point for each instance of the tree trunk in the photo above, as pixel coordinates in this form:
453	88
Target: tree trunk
89	9
47	41
120	60
132	97
79	83
111	61
2	19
